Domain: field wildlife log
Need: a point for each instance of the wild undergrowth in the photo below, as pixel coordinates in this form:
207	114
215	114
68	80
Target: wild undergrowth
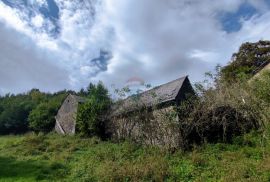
54	158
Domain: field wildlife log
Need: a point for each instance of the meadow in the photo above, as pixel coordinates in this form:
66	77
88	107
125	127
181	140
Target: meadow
52	157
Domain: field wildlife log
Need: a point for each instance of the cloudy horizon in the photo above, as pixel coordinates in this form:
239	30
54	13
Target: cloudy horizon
63	44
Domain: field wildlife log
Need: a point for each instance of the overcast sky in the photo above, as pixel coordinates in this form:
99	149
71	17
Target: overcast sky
65	44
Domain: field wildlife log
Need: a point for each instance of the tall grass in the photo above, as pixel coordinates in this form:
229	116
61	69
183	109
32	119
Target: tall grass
55	158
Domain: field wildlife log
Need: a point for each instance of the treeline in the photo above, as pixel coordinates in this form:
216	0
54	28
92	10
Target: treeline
36	110
33	110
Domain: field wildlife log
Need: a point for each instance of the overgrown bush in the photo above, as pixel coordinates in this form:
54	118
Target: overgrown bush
224	110
91	115
260	86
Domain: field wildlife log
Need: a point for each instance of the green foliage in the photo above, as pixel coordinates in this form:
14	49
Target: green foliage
250	58
261	86
41	119
38	108
225	110
14	112
92	114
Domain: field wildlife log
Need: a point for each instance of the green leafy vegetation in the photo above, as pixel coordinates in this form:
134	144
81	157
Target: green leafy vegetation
33	110
14	113
250	58
261	86
91	115
41	119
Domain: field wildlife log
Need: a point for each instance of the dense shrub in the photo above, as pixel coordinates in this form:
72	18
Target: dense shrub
91	115
222	111
261	86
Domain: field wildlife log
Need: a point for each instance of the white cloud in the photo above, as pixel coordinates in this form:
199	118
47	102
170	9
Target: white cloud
204	55
39	2
154	40
12	18
177	38
37	21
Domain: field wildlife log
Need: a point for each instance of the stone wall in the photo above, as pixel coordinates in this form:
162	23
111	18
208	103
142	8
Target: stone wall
66	116
158	127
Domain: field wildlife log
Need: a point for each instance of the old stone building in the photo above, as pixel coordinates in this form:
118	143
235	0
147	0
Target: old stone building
150	117
66	116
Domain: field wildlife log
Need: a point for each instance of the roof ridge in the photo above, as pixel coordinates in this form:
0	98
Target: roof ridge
156	87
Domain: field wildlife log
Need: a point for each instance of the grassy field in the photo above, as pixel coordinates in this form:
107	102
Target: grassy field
55	158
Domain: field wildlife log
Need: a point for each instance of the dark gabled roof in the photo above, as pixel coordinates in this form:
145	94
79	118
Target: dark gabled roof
158	95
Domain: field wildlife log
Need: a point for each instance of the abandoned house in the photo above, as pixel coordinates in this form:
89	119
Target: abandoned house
66	116
150	117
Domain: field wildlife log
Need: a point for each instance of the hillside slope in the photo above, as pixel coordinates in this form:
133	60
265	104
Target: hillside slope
50	158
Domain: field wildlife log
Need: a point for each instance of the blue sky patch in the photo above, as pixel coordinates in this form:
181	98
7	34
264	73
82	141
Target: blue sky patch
52	11
231	21
268	3
16	4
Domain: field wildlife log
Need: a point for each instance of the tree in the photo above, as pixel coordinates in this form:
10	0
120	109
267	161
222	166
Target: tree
92	114
41	118
250	59
15	110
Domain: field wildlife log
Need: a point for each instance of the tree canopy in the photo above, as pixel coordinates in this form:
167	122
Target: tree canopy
250	59
92	114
